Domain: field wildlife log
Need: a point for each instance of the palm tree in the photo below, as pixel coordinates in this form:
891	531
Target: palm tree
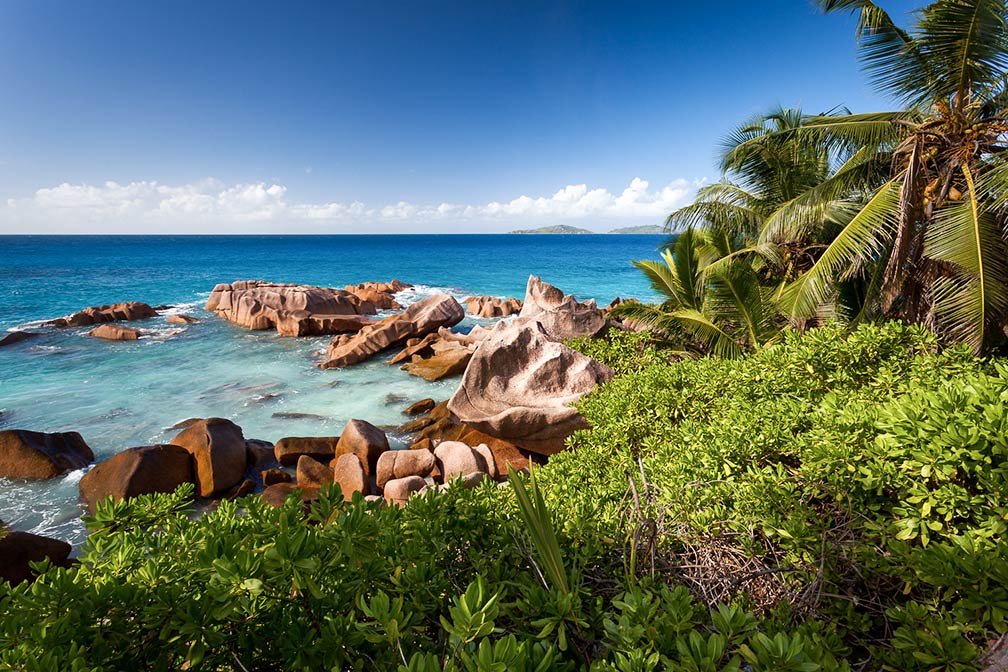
721	282
929	237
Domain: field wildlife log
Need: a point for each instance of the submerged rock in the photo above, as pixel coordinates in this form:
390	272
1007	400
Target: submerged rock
114	332
181	319
37	455
17	336
422	318
137	471
520	385
422	406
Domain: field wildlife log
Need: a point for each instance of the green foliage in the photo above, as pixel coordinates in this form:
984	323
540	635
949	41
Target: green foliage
862	475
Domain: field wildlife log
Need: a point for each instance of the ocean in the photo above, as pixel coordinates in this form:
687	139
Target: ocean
124	394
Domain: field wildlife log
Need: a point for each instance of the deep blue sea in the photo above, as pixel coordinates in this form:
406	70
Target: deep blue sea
119	395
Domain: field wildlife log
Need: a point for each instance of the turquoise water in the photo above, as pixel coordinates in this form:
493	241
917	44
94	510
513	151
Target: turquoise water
123	394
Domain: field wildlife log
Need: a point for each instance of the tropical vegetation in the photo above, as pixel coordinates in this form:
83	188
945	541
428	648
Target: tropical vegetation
907	220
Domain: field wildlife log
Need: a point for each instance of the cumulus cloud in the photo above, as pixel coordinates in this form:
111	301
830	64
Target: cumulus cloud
211	206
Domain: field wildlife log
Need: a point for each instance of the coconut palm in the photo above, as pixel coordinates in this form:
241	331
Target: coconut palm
929	237
725	312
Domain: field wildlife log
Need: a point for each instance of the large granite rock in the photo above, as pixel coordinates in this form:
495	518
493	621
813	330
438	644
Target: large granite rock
364	440
115	332
261	305
290	448
117	312
18	549
218	449
423	317
562	316
379	294
303	323
455	458
36	455
520	385
348	471
491	306
312	473
137	471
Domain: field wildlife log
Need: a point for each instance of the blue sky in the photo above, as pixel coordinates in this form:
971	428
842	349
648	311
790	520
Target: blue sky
391	117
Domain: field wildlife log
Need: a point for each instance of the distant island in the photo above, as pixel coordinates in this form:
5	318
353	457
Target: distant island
558	228
645	228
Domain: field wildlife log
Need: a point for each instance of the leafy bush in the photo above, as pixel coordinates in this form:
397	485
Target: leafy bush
834	502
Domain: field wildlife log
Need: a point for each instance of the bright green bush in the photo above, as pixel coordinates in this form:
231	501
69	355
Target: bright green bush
865	473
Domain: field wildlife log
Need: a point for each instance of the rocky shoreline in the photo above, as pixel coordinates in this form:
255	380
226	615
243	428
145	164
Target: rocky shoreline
512	405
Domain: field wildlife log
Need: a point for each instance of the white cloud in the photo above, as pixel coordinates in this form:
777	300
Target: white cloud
211	206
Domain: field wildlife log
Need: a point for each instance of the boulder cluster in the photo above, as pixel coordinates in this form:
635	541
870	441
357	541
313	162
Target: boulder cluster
513	405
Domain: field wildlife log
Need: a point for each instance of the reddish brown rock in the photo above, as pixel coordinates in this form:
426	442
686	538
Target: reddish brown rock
455	458
447	363
421	318
290	448
402	463
398	491
117	312
274	476
364	440
114	332
276	495
348	471
218	449
491	306
259	305
181	319
36	455
312	473
415	346
137	471
18	549
520	387
246	487
380	294
259	454
17	336
422	406
562	317
303	323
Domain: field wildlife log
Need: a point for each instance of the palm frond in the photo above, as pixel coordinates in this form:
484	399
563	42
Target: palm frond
975	295
712	336
858	243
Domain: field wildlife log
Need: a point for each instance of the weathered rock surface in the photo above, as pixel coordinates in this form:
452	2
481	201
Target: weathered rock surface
17	336
348	471
455	458
219	453
181	319
520	385
402	463
276	495
422	406
36	455
398	491
259	454
18	549
257	304
115	332
364	440
491	306
290	448
562	316
444	364
246	487
117	312
137	471
423	317
303	323
312	473
273	476
379	294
